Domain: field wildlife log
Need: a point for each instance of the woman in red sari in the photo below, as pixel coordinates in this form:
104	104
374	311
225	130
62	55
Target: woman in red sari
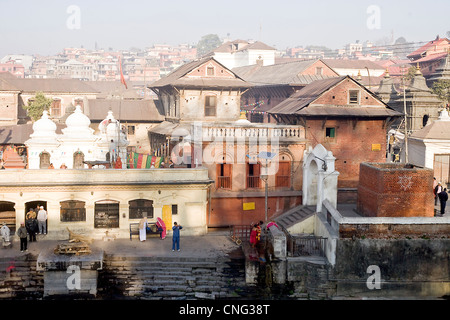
253	235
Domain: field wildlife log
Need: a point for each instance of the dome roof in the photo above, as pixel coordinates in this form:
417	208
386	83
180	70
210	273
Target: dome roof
243	119
78	119
78	126
44	126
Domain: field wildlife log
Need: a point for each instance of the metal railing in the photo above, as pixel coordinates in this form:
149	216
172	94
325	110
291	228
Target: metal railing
310	245
240	233
253	181
223	182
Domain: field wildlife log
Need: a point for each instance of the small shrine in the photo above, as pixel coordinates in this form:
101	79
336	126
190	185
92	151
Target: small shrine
77	146
12	160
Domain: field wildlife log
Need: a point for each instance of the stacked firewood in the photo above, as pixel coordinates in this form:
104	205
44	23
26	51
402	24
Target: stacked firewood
78	244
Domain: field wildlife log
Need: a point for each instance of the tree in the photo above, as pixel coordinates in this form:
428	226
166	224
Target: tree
410	73
207	44
441	88
37	105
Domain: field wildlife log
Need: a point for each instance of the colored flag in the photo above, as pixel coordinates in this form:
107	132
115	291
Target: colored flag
122	79
135	159
158	162
149	162
139	161
144	161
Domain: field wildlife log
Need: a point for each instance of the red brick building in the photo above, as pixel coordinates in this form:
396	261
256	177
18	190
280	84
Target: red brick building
345	118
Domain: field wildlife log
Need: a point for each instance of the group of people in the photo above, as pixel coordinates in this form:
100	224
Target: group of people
35	222
143	228
440	193
255	233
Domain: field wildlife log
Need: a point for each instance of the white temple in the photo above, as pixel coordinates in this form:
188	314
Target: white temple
76	144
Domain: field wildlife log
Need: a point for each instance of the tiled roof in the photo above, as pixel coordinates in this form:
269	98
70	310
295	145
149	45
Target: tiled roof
177	78
426	46
45	85
431	57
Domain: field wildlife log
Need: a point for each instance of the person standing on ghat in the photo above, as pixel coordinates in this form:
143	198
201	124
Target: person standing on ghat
42	220
176	236
22	234
443	197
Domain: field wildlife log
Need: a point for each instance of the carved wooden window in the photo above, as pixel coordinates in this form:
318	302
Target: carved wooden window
106	214
72	210
56	108
140	208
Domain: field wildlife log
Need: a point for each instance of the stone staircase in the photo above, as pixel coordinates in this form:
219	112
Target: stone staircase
19	278
178	278
295	216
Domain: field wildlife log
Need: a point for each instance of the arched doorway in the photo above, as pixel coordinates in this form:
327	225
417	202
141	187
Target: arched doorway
35	205
425	120
319	177
8	215
312	175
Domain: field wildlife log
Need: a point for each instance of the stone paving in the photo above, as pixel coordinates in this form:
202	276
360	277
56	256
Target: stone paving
213	244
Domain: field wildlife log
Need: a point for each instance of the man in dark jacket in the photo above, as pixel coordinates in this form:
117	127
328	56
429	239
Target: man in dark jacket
22	233
443	197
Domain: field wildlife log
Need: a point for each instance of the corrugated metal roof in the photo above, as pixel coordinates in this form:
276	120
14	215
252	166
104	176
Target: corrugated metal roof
300	102
125	110
171	129
19	133
282	73
305	96
352	64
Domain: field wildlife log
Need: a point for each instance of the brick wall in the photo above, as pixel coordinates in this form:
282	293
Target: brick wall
351	146
395	190
339	95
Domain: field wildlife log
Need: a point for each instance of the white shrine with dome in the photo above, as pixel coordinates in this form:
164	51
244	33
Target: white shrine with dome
76	144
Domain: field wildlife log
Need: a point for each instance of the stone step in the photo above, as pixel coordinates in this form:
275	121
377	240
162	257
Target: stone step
294	216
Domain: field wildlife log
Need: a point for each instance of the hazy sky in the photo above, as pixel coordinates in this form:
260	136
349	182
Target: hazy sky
41	26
